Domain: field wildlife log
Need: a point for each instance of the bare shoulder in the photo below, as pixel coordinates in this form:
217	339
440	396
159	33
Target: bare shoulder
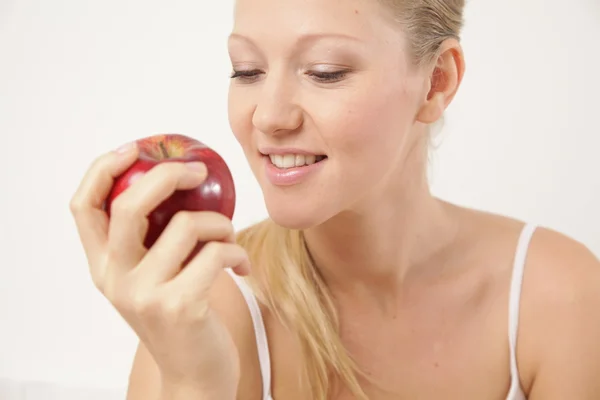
228	303
568	266
559	336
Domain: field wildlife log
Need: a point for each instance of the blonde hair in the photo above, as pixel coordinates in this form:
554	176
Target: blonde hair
288	282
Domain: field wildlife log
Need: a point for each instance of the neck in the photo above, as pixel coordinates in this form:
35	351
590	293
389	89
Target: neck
380	248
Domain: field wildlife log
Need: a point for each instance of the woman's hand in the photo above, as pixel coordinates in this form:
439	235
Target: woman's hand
164	301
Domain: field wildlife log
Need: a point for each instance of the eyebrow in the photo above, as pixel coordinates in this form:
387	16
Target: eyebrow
307	37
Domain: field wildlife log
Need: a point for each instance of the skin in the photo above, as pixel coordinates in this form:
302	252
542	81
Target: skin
421	284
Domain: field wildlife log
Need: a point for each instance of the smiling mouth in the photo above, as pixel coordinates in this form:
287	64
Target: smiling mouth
285	161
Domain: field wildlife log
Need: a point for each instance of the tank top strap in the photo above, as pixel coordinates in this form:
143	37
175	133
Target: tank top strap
260	332
514	304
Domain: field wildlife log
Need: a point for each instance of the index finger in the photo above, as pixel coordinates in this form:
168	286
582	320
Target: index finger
87	202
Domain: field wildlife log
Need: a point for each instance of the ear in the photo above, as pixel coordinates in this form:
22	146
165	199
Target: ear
444	81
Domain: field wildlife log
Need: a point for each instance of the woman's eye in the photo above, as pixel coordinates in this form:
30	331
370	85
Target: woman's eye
328	77
246	76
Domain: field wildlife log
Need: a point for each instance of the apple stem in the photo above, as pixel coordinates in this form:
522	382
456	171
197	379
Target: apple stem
165	153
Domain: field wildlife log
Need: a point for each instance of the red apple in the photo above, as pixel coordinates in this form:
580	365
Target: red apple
216	193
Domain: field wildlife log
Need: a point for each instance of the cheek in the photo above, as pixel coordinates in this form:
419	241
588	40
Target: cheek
368	124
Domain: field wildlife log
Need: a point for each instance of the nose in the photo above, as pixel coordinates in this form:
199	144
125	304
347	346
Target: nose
276	112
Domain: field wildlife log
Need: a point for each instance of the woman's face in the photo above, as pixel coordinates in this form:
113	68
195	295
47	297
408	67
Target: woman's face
324	80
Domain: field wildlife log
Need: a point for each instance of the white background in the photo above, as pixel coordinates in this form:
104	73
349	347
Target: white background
79	77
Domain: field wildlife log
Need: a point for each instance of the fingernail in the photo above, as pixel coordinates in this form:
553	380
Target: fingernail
196	166
126	147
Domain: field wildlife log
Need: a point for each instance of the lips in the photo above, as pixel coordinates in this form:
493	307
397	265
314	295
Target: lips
291	175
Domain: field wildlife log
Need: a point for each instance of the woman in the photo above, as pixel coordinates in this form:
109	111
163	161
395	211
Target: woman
361	284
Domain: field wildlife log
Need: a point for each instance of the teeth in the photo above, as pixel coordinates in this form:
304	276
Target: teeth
289	160
294	160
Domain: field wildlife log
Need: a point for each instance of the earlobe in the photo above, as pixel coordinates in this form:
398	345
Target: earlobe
444	82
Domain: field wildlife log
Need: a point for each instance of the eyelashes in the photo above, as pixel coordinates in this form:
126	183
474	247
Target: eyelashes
245	75
327	77
250	76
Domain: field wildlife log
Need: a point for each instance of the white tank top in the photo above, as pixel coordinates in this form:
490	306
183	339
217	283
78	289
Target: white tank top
515	392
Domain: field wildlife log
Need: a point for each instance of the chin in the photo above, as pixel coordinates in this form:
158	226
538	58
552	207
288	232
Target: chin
294	216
